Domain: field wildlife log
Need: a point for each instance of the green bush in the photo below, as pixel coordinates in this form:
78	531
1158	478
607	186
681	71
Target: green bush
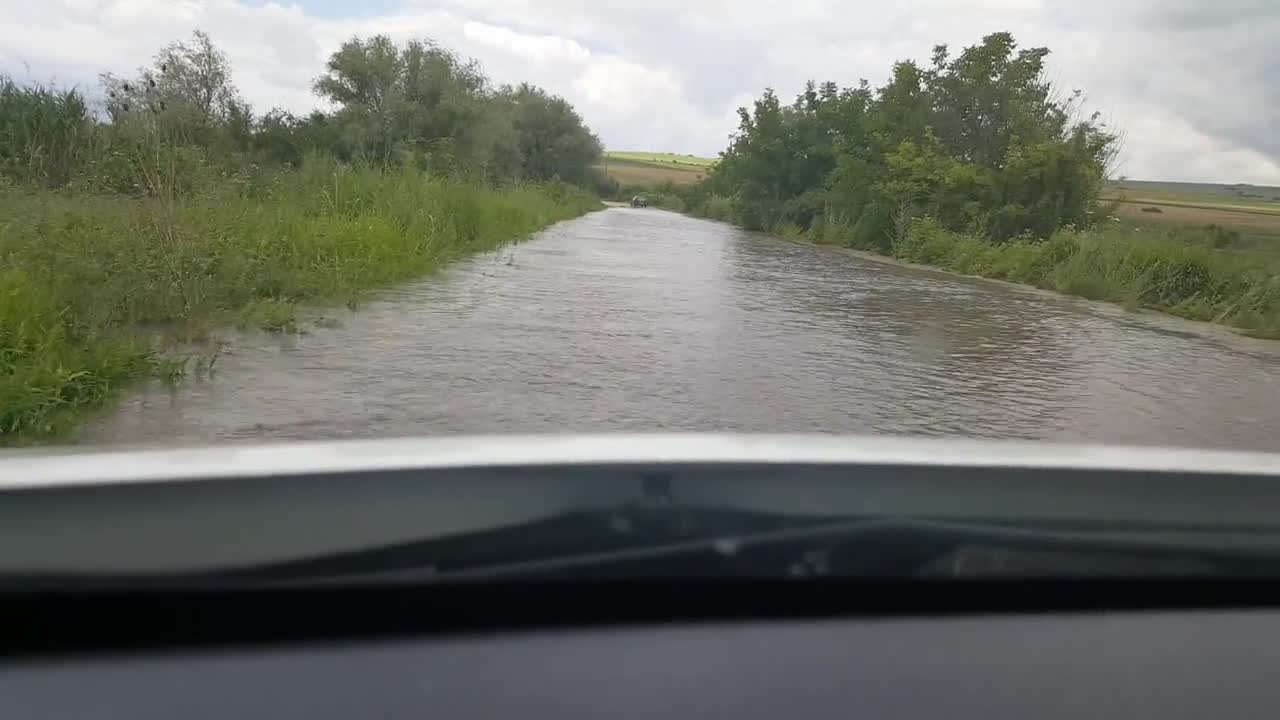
873	230
718	207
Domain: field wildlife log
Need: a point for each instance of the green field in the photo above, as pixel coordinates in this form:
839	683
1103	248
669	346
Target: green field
1240	197
659	158
1250	211
650	169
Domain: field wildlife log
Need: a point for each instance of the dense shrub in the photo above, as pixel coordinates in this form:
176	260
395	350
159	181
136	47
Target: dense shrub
980	142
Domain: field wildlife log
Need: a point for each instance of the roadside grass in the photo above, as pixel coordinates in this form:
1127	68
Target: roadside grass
88	282
1176	275
1198	272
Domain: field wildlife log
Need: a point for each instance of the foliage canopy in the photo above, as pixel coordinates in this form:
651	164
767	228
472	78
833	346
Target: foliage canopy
388	104
979	141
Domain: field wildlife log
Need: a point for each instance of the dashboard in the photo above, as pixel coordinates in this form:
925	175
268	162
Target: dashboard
1007	611
1212	664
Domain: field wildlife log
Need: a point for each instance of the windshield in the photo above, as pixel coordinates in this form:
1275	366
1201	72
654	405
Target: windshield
233	222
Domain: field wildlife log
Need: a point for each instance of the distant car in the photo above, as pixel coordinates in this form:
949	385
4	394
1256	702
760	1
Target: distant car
639	201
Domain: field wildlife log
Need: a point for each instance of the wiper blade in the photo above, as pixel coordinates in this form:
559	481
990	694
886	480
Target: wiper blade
904	547
734	544
569	534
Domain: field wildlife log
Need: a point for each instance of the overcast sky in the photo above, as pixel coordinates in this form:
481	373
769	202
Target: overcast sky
1193	84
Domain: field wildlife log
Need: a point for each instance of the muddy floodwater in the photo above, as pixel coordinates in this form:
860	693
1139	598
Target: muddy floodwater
644	320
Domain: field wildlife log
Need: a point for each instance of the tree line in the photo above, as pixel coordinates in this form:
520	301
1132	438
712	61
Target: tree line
416	103
979	142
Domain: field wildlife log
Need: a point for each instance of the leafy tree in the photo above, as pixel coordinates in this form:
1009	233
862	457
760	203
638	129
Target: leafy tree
426	102
361	74
550	136
980	142
419	100
180	123
188	89
282	138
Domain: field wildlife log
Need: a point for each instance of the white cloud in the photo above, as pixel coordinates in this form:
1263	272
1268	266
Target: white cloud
1197	94
537	48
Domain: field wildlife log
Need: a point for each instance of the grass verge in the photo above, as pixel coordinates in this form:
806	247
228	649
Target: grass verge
86	279
1177	277
1180	272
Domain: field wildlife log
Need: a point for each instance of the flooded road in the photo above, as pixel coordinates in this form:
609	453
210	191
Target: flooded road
643	320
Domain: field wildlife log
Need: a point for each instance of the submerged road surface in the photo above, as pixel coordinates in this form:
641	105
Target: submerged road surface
644	320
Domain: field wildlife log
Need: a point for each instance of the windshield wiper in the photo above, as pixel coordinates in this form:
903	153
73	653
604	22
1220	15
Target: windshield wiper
702	543
912	547
563	535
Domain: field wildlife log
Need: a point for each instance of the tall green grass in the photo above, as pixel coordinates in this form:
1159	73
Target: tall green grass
81	274
1179	276
46	135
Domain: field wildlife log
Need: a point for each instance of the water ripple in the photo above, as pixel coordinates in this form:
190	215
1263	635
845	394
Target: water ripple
634	320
